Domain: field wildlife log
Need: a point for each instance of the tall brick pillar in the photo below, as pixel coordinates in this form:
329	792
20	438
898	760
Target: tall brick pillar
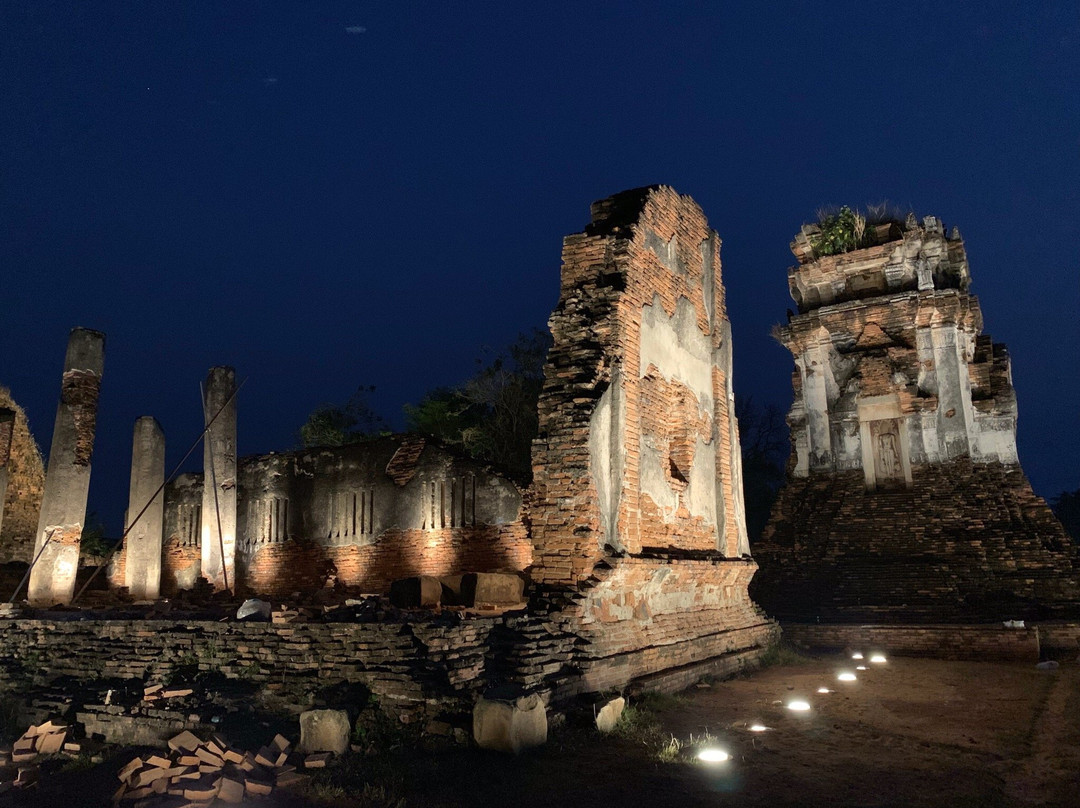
142	547
219	480
7	433
67	479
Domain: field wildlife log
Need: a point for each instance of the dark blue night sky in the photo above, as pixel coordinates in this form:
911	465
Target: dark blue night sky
256	184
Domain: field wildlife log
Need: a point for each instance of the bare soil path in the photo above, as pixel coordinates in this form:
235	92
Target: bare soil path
915	733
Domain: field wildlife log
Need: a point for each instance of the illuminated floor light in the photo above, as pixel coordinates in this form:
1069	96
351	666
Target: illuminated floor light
713	756
860	667
846	677
856	655
758	728
798	706
878	659
823	690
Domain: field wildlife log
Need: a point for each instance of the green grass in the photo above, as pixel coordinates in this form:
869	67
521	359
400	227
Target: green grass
782	653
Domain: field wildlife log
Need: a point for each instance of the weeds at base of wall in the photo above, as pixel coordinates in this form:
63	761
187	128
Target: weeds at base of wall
639	724
779	654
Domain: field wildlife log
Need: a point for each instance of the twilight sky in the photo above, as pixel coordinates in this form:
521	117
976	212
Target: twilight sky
332	194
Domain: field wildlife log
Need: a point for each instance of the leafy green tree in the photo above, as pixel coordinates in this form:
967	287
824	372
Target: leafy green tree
1066	507
763	436
492	415
338	425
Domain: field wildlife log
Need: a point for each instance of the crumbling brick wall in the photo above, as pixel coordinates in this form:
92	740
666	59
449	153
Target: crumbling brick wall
968	542
636	513
26	482
358	516
637	393
905	500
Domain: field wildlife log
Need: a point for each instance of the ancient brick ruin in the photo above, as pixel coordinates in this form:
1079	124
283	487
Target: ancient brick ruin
24	473
637	511
632	536
905	501
353	517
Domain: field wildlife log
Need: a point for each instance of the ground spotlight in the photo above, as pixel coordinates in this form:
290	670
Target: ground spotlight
846	677
758	728
798	706
857	655
713	755
878	659
860	667
823	690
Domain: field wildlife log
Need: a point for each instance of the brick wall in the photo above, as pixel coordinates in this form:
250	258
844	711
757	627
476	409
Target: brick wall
26	482
644	248
978	642
967	543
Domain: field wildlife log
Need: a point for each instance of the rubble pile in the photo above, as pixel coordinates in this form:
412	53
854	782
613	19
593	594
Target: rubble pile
198	772
18	765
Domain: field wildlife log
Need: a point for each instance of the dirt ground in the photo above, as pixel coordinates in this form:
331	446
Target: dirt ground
909	732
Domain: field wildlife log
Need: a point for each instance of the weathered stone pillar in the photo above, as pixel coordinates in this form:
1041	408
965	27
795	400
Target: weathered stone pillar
219	480
7	434
67	479
142	546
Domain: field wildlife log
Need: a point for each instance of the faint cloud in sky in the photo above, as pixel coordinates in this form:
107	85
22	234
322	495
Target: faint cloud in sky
355	29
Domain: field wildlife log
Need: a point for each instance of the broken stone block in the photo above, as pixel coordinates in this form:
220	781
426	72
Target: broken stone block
253	609
608	714
257	786
510	725
205	788
492	589
324	731
185	742
231	791
317	761
420	591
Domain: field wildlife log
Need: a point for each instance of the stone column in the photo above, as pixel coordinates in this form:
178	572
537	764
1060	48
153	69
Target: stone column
67	479
219	480
7	434
142	546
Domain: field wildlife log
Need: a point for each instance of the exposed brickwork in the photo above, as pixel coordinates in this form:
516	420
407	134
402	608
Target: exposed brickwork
303	566
26	482
636	421
402	466
967	542
79	390
992	642
611	272
905	501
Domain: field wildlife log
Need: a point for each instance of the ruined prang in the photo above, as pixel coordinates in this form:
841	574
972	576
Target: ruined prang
67	479
637	511
905	500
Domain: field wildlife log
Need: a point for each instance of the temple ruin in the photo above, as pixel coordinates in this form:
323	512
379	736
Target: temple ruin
905	501
625	563
24	472
433	581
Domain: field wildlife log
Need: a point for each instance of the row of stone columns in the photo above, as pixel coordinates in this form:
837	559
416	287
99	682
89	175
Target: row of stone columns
67	482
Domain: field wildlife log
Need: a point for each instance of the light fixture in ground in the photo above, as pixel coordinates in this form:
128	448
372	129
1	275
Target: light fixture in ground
758	728
857	655
878	659
823	690
713	755
860	667
798	706
846	676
